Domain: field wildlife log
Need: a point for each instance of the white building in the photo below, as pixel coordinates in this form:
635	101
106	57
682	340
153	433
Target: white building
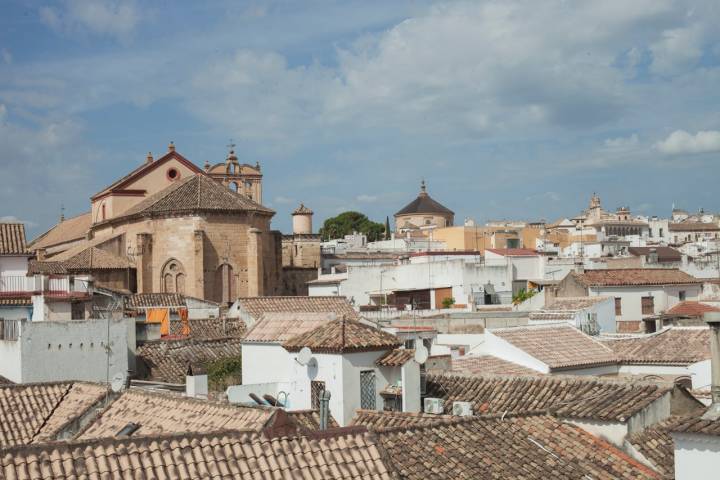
591	315
360	365
638	292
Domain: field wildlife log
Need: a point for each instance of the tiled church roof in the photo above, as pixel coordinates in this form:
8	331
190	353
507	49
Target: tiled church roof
12	239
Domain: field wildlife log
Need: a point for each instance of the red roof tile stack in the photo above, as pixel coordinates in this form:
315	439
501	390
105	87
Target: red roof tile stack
672	346
342	336
12	239
634	276
256	306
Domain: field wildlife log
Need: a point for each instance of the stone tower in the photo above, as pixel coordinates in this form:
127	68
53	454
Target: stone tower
302	220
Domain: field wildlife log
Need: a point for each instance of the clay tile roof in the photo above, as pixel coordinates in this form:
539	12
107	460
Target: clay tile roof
162	414
93	258
693	227
513	252
37	412
531	448
551	316
558	346
657	446
573	304
488	364
309	420
340	336
167	360
634	276
696	424
565	396
375	419
68	230
154	300
12	239
46	268
196	193
671	346
692	309
665	254
256	306
396	358
208	328
277	327
350	455
302	210
424	204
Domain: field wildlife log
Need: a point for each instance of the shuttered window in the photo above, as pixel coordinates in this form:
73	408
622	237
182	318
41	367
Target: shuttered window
618	306
367	390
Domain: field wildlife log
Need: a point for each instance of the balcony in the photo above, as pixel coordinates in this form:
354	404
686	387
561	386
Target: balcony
53	286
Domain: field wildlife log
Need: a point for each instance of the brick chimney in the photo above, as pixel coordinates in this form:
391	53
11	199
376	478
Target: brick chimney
713	321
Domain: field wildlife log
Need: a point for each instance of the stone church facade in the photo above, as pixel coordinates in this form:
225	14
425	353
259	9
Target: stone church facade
203	233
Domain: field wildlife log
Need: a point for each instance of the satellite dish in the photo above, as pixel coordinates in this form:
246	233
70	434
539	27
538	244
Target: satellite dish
304	356
118	382
421	354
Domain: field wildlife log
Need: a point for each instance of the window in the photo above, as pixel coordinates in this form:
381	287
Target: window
367	389
316	388
233	186
173	174
618	306
9	329
410	343
648	305
681	295
661	232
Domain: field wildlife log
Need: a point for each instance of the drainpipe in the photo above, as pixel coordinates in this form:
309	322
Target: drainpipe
713	321
324	409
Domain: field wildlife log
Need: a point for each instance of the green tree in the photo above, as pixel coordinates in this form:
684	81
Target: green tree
387	228
349	222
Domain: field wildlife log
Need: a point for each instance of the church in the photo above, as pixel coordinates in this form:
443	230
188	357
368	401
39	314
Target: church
170	226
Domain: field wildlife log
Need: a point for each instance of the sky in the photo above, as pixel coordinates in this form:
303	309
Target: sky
508	109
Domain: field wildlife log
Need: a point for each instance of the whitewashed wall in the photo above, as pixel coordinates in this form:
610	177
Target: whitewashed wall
665	297
696	456
265	362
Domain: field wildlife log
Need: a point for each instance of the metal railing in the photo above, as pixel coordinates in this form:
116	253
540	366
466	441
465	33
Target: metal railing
9	329
17	284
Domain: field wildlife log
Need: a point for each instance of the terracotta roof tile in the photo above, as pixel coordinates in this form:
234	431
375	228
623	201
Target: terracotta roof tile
558	346
693	227
696	424
302	210
665	254
209	328
671	346
12	239
167	360
573	304
341	336
634	276
423	203
531	448
196	193
513	252
309	420
488	364
396	358
277	327
93	258
46	268
154	300
222	455
162	414
39	411
692	309
376	420
70	229
657	446
565	396
256	306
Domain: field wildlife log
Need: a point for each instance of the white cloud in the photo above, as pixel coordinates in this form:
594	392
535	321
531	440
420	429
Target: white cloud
622	142
13	219
677	50
681	142
366	198
6	56
106	17
3	112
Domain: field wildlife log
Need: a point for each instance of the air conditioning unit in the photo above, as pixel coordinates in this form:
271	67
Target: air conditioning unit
434	405
462	409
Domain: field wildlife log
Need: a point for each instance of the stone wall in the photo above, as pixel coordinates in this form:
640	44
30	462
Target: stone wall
294	280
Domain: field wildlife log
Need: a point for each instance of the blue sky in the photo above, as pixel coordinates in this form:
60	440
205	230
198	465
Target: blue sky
509	109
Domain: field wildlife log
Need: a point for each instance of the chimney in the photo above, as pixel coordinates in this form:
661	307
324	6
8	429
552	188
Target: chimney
196	383
579	267
171	147
324	409
149	158
713	321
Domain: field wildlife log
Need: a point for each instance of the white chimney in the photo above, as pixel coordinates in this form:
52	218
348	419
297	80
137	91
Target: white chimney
196	383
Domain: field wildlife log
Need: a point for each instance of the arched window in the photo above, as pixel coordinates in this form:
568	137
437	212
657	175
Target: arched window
233	186
173	276
225	284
